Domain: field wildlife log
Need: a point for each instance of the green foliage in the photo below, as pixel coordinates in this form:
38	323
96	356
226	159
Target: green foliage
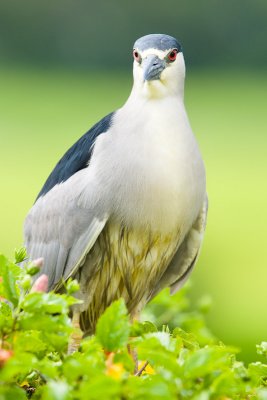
8	288
182	362
113	327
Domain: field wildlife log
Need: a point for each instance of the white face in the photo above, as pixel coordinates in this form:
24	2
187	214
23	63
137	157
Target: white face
168	81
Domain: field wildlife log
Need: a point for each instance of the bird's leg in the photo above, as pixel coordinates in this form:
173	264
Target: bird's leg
133	352
135	315
76	336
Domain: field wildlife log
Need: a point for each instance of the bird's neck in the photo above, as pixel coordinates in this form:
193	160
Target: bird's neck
151	104
157	90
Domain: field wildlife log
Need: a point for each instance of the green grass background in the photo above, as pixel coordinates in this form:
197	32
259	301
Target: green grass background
42	112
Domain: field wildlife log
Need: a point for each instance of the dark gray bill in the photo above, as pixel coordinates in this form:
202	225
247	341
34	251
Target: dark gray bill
153	67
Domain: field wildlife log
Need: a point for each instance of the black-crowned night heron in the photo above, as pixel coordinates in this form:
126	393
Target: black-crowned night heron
124	210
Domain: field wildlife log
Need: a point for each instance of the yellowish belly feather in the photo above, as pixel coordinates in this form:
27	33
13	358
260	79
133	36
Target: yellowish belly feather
124	264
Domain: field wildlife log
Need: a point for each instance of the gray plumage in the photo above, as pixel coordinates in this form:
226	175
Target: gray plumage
130	220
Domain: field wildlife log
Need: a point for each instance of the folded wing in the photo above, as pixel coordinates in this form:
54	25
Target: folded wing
60	227
185	258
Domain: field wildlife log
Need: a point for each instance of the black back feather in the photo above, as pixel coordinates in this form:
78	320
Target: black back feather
77	157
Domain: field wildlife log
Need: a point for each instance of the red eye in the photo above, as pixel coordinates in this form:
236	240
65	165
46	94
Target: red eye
137	56
172	55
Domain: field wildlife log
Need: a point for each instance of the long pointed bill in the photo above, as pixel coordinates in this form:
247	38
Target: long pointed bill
153	67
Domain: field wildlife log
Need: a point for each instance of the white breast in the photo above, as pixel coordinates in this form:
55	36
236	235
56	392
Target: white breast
149	166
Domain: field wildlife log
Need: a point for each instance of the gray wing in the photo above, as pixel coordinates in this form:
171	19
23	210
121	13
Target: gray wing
185	258
62	228
66	218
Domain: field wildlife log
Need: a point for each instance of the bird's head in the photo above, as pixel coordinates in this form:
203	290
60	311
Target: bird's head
159	68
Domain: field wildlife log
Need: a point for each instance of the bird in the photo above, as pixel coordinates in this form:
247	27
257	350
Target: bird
124	210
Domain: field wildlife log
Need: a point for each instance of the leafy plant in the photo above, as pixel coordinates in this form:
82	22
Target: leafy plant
181	360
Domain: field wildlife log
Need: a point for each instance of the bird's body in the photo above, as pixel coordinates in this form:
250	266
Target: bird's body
130	220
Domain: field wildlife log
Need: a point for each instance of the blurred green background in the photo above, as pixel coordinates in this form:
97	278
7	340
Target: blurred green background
65	64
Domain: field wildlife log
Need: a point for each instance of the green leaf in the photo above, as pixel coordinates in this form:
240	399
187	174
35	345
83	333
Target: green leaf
57	390
9	273
72	286
262	394
258	372
20	255
203	395
57	341
18	365
44	322
50	366
100	387
30	341
149	327
83	366
152	388
6	320
188	339
159	352
262	349
12	392
26	282
113	327
228	384
140	328
32	269
125	359
49	303
207	360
